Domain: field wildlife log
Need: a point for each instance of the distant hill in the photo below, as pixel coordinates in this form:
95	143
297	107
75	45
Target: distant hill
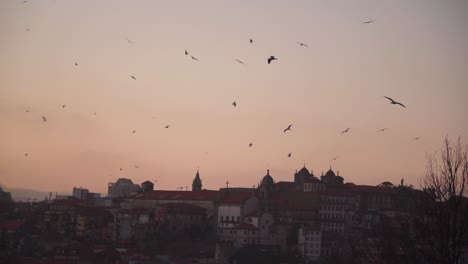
21	194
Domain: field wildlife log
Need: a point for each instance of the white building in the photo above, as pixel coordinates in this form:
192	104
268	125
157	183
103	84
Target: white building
310	243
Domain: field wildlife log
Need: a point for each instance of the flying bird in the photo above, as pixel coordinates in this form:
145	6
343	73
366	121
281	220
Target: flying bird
417	138
382	129
27	111
303	44
133	77
24	2
368	22
133	131
346	130
272	58
63	106
94	113
167	126
76	63
234	104
335	158
44	119
186	52
289	155
394	102
241	62
27	29
250	145
121	169
26	154
136	166
288	128
193	58
251	40
129	41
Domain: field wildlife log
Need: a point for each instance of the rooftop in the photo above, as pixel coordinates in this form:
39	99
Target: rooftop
204	195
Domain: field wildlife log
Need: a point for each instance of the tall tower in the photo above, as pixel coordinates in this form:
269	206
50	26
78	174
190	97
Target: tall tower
197	184
265	190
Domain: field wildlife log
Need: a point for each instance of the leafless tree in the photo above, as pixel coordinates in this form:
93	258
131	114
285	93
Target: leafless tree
443	210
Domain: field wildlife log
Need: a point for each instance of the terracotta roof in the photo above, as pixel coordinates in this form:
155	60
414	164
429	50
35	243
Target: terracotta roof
294	201
203	195
235	197
285	185
369	188
11	224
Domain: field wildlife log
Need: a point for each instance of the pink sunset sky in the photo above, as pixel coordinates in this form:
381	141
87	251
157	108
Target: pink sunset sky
415	52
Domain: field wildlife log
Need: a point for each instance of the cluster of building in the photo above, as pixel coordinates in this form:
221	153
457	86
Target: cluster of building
310	219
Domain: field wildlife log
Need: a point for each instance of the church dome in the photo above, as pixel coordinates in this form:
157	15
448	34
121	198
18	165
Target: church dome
330	173
268	180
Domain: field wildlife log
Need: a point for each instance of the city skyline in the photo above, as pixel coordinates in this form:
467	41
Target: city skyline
110	78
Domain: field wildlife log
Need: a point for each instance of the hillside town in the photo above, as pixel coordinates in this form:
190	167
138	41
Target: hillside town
310	219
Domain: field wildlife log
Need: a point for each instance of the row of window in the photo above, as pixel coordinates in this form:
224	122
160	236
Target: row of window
233	219
221	231
333	199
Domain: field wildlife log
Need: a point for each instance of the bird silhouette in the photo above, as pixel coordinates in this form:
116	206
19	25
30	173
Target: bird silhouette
63	106
44	119
394	102
129	41
241	62
133	131
417	138
167	126
382	129
26	154
368	22
133	77
346	130
186	52
289	155
250	145
251	40
234	104
121	169
335	158
136	166
288	128
193	58
27	29
24	2
94	113
302	44
272	58
76	63
27	111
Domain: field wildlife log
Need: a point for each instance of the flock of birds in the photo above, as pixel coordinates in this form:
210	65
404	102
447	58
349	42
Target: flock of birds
234	104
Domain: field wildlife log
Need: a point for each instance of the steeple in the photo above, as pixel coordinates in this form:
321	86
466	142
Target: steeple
197	183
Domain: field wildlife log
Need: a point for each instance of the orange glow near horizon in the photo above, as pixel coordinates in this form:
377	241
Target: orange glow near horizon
415	52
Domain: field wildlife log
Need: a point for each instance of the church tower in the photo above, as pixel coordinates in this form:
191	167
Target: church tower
197	184
265	191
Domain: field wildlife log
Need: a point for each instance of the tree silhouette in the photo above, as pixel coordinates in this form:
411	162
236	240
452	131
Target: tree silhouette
442	211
